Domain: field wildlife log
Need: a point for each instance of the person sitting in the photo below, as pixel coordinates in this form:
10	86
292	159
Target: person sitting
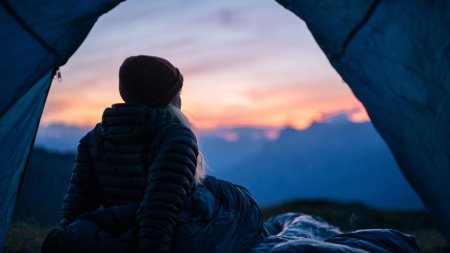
139	181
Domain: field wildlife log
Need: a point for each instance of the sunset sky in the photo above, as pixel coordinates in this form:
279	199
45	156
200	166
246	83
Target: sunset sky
245	63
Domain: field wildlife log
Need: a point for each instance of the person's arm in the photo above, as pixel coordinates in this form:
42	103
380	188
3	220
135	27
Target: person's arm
169	179
82	195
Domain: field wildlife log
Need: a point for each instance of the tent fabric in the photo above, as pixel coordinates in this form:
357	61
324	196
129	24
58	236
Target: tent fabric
395	56
36	40
17	130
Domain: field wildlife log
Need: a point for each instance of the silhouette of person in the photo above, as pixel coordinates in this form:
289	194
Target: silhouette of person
142	165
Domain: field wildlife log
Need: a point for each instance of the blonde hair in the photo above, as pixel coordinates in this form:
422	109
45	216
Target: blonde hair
200	171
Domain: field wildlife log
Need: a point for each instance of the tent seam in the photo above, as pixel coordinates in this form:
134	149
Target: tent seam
356	29
9	9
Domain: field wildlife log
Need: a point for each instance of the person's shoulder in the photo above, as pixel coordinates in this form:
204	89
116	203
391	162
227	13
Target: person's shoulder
176	130
90	134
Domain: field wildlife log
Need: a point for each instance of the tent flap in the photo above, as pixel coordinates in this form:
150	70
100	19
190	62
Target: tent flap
17	130
37	38
395	57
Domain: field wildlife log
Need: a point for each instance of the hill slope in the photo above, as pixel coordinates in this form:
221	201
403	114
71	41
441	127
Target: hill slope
342	161
44	187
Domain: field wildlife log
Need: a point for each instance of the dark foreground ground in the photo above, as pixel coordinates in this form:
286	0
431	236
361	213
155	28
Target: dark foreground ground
24	238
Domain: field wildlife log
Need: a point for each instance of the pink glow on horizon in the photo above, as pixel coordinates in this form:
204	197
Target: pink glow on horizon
230	136
262	109
240	67
272	134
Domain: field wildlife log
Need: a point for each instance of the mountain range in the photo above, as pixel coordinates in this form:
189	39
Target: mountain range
337	160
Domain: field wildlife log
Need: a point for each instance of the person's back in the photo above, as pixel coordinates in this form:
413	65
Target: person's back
125	143
144	153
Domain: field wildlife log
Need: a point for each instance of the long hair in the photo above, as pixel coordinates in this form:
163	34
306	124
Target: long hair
200	171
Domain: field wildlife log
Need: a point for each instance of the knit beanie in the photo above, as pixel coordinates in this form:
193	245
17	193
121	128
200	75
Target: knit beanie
149	80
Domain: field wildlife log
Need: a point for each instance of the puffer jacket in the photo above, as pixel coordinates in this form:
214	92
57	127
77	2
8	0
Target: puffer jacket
137	154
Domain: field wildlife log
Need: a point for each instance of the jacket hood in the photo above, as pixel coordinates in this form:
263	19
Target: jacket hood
125	123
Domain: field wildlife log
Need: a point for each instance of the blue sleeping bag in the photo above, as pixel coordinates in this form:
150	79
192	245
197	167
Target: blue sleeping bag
218	217
294	232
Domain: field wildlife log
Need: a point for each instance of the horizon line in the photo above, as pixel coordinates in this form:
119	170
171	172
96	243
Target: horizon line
230	127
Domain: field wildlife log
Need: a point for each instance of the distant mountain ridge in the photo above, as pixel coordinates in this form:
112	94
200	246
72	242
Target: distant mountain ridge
336	160
60	137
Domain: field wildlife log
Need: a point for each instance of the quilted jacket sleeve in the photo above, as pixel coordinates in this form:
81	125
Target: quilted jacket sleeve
169	179
82	195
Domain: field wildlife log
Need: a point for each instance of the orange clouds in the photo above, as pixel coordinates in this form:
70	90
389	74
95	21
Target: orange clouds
82	107
240	68
294	106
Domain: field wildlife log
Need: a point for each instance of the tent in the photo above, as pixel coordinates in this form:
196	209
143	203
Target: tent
395	63
37	38
395	56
